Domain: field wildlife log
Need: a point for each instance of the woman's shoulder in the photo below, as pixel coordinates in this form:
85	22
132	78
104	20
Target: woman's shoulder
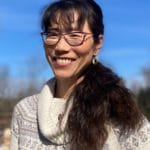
137	140
29	105
26	106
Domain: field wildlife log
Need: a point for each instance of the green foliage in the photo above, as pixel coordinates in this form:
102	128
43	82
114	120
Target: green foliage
7	105
144	101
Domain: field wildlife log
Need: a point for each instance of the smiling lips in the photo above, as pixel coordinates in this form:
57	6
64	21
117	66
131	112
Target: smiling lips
62	61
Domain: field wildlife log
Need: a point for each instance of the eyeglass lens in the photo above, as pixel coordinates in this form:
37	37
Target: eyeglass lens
75	38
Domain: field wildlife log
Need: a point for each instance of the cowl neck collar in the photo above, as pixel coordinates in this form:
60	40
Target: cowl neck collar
49	111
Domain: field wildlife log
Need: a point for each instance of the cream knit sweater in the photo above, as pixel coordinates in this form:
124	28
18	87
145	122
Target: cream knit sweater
35	126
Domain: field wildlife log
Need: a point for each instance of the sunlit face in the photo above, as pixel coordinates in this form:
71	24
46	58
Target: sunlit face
67	62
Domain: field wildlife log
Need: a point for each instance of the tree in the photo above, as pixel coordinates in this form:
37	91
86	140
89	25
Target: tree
34	67
144	93
146	75
4	80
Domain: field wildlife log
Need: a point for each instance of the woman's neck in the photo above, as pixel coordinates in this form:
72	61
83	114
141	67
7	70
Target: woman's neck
64	88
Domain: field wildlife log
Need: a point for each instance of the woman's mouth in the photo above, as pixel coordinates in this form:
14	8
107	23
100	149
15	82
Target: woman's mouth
62	61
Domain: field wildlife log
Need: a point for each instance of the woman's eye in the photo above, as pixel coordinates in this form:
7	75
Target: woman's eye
75	35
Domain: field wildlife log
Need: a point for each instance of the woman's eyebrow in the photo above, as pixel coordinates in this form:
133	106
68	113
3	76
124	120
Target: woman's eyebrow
57	29
74	29
53	29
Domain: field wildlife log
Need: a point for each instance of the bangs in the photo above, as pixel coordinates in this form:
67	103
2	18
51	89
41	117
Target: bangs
64	17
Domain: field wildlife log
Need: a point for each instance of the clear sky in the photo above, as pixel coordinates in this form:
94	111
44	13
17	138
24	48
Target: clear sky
126	43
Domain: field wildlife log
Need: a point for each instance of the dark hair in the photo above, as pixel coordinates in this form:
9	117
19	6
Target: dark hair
101	98
62	12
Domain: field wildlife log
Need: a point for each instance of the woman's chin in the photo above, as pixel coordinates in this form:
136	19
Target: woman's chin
64	75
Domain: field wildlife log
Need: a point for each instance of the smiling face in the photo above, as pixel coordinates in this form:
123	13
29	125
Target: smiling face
67	62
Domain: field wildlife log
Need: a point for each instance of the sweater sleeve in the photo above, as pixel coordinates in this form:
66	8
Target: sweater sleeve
14	130
138	140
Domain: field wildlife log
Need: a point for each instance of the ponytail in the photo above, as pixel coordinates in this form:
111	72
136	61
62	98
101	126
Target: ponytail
100	99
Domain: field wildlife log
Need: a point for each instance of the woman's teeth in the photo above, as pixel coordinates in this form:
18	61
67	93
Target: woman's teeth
63	60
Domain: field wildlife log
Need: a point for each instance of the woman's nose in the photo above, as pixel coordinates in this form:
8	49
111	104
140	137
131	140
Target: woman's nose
62	45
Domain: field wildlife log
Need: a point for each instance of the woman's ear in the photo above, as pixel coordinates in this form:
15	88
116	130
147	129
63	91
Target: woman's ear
99	44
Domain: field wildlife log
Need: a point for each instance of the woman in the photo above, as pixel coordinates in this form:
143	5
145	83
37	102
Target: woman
85	106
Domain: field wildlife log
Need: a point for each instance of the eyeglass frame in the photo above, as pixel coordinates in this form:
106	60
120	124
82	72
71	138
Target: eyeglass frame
63	34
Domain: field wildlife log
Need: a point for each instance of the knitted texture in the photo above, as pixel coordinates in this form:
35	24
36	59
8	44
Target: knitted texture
35	126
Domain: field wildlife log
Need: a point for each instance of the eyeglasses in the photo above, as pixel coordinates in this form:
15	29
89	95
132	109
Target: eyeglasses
51	38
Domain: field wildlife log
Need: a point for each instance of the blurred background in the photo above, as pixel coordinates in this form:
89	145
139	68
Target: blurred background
23	68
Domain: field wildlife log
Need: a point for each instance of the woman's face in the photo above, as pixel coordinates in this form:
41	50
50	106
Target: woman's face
67	62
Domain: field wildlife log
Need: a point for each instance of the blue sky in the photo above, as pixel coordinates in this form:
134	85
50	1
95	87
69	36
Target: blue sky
126	43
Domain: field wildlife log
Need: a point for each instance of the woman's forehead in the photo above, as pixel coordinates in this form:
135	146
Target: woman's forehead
70	21
65	27
73	27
